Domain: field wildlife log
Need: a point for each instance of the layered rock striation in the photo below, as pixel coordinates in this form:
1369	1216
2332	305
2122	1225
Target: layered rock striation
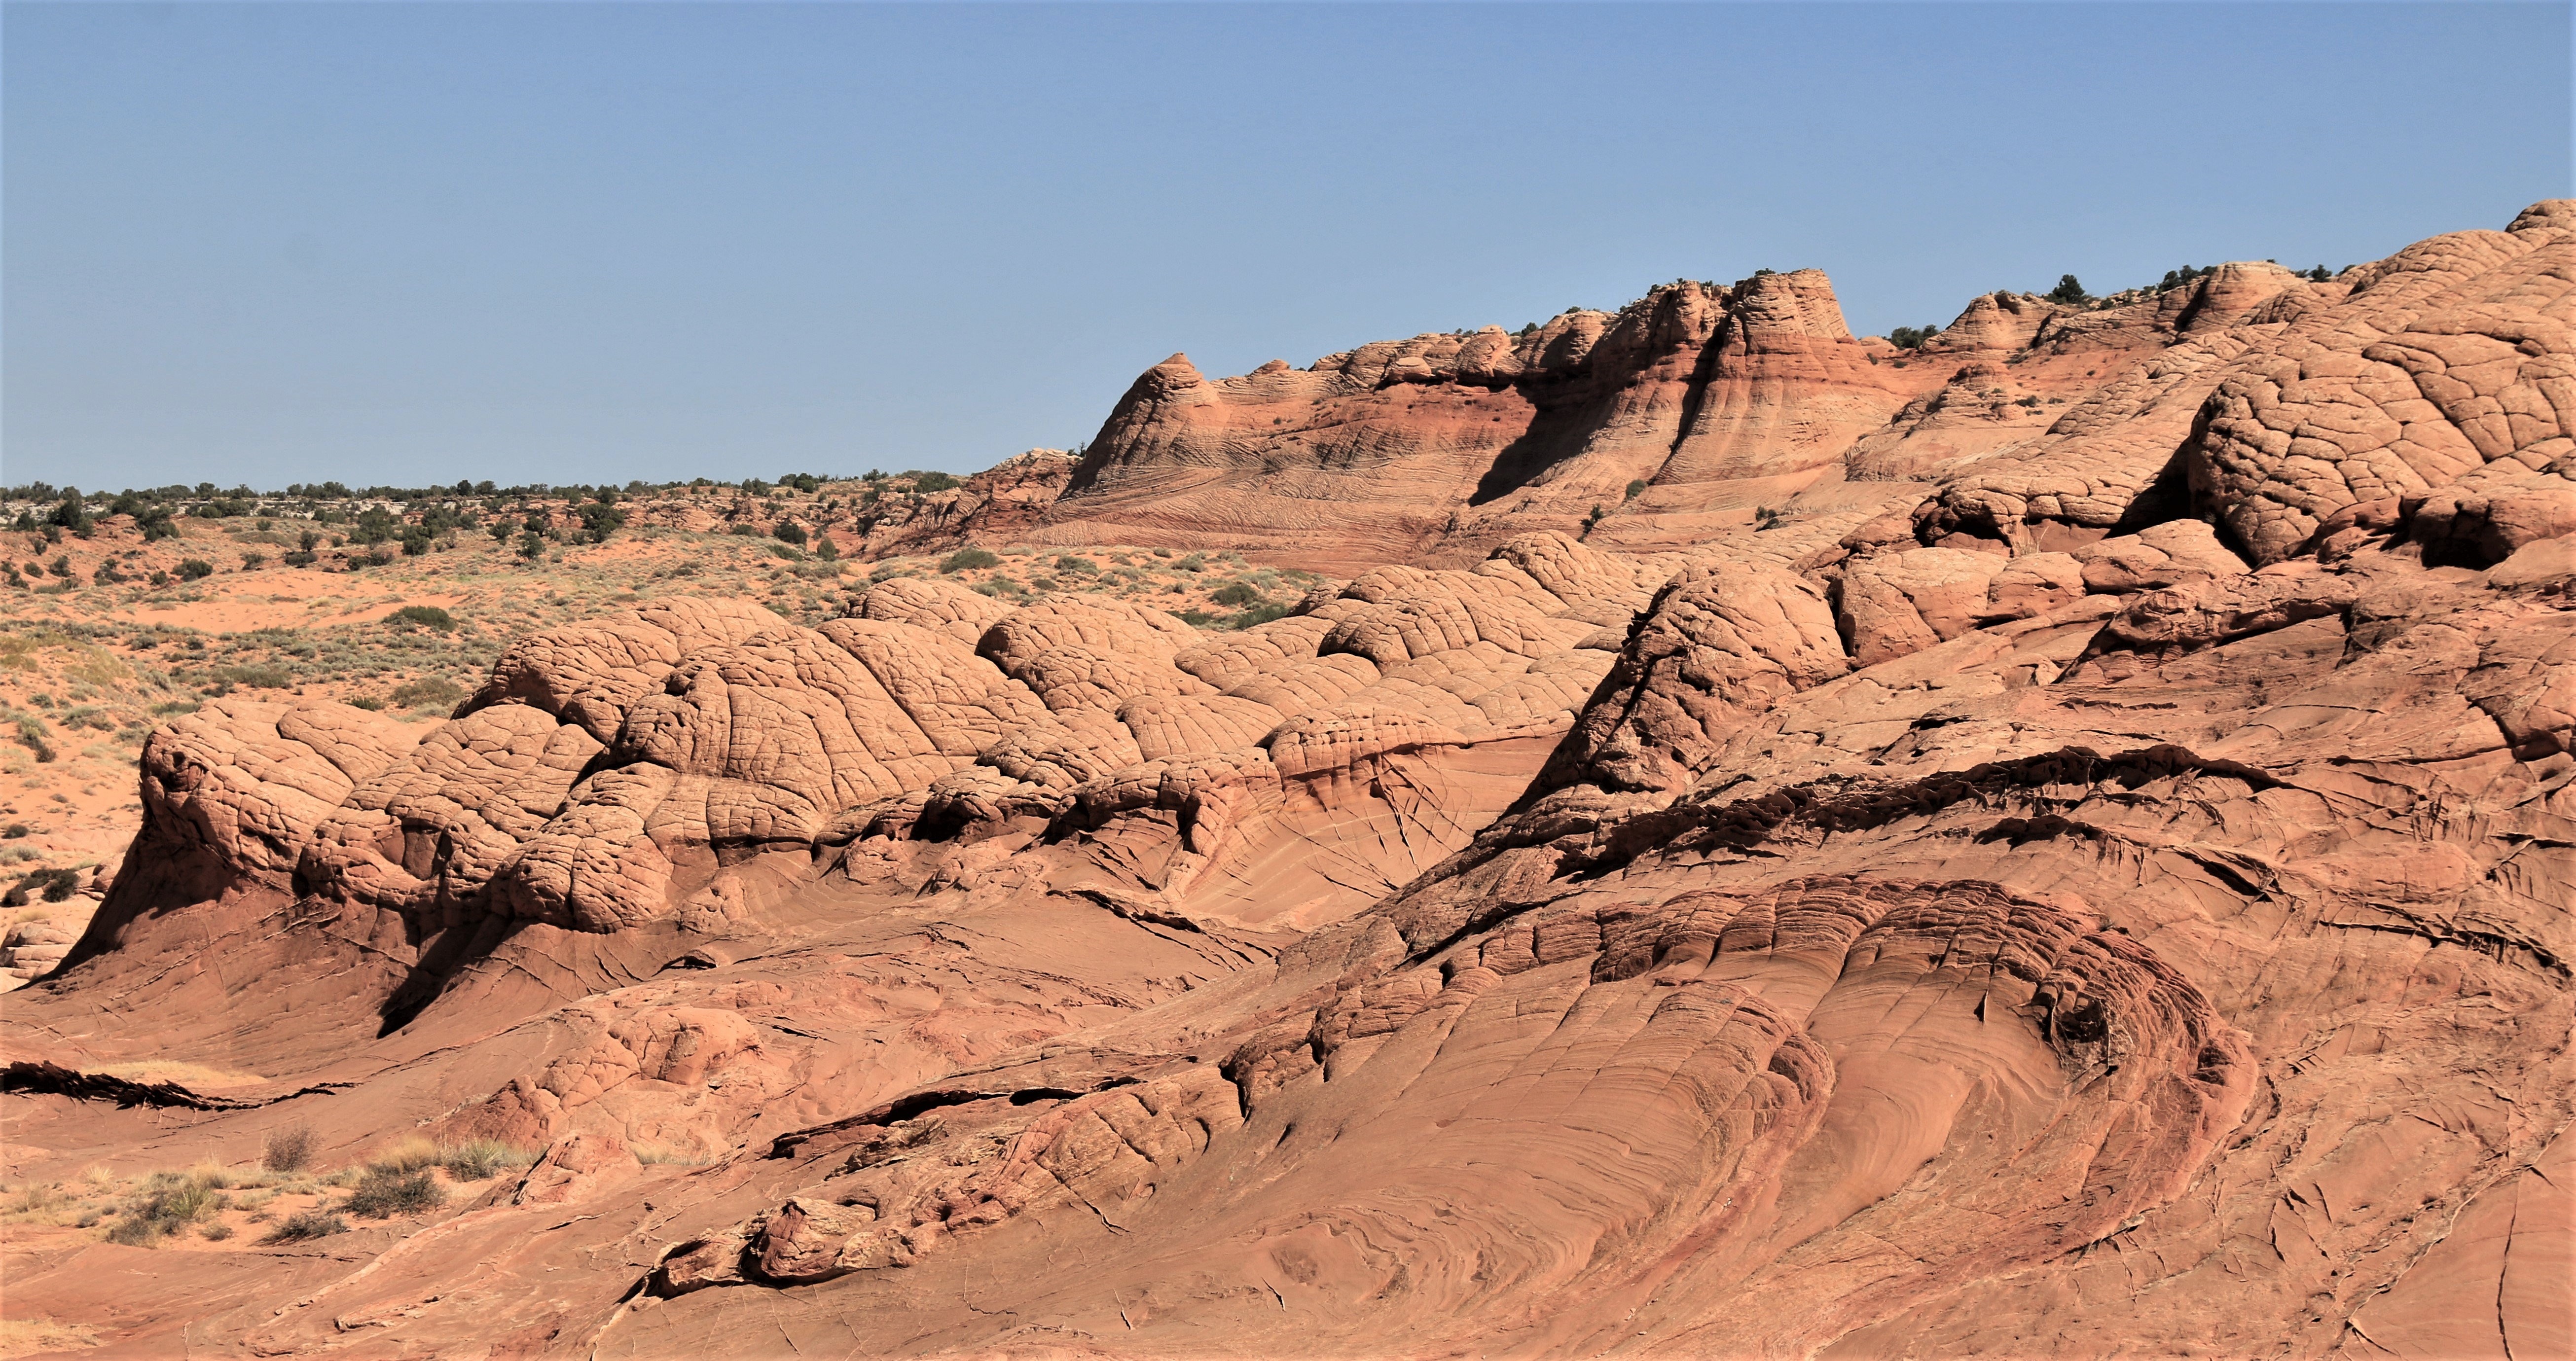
2115	901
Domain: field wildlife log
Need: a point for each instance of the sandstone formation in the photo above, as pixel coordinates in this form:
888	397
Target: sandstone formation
998	504
2103	890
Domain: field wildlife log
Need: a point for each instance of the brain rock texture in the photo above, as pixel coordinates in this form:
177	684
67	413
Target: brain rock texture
2085	870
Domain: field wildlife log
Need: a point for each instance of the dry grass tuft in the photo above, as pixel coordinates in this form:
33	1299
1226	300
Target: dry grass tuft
408	1154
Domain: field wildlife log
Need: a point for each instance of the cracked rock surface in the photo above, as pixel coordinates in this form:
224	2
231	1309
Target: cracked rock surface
2113	899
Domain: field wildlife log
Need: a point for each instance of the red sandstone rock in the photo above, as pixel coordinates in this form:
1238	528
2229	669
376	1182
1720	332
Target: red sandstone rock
2056	936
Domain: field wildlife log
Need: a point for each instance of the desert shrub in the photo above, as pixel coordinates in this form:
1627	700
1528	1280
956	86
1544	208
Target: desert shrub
746	531
252	562
370	703
384	1192
1258	614
52	886
789	531
72	514
1911	337
288	1150
429	692
1636	489
1081	567
1236	593
2068	291
1195	562
168	1203
14	831
930	482
309	1224
477	1159
532	545
195	569
258	675
599	519
966	559
215	1232
427	616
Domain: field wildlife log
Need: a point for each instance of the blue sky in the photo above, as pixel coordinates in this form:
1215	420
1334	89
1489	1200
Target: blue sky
580	242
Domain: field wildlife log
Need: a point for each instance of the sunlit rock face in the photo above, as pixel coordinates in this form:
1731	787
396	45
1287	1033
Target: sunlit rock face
2104	891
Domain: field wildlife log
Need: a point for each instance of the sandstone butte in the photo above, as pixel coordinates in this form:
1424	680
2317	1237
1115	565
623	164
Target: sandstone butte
2058	843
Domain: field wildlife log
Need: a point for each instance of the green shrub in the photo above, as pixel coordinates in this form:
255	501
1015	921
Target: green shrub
1195	562
1236	593
384	1192
930	482
195	569
789	531
600	519
2068	291
427	616
31	731
1081	567
52	886
967	559
1636	489
370	703
1912	337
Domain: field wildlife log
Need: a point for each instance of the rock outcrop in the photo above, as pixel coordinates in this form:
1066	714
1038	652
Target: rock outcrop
2116	902
1716	399
998	504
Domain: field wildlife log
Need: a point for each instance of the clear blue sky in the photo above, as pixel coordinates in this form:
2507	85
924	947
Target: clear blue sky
580	242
